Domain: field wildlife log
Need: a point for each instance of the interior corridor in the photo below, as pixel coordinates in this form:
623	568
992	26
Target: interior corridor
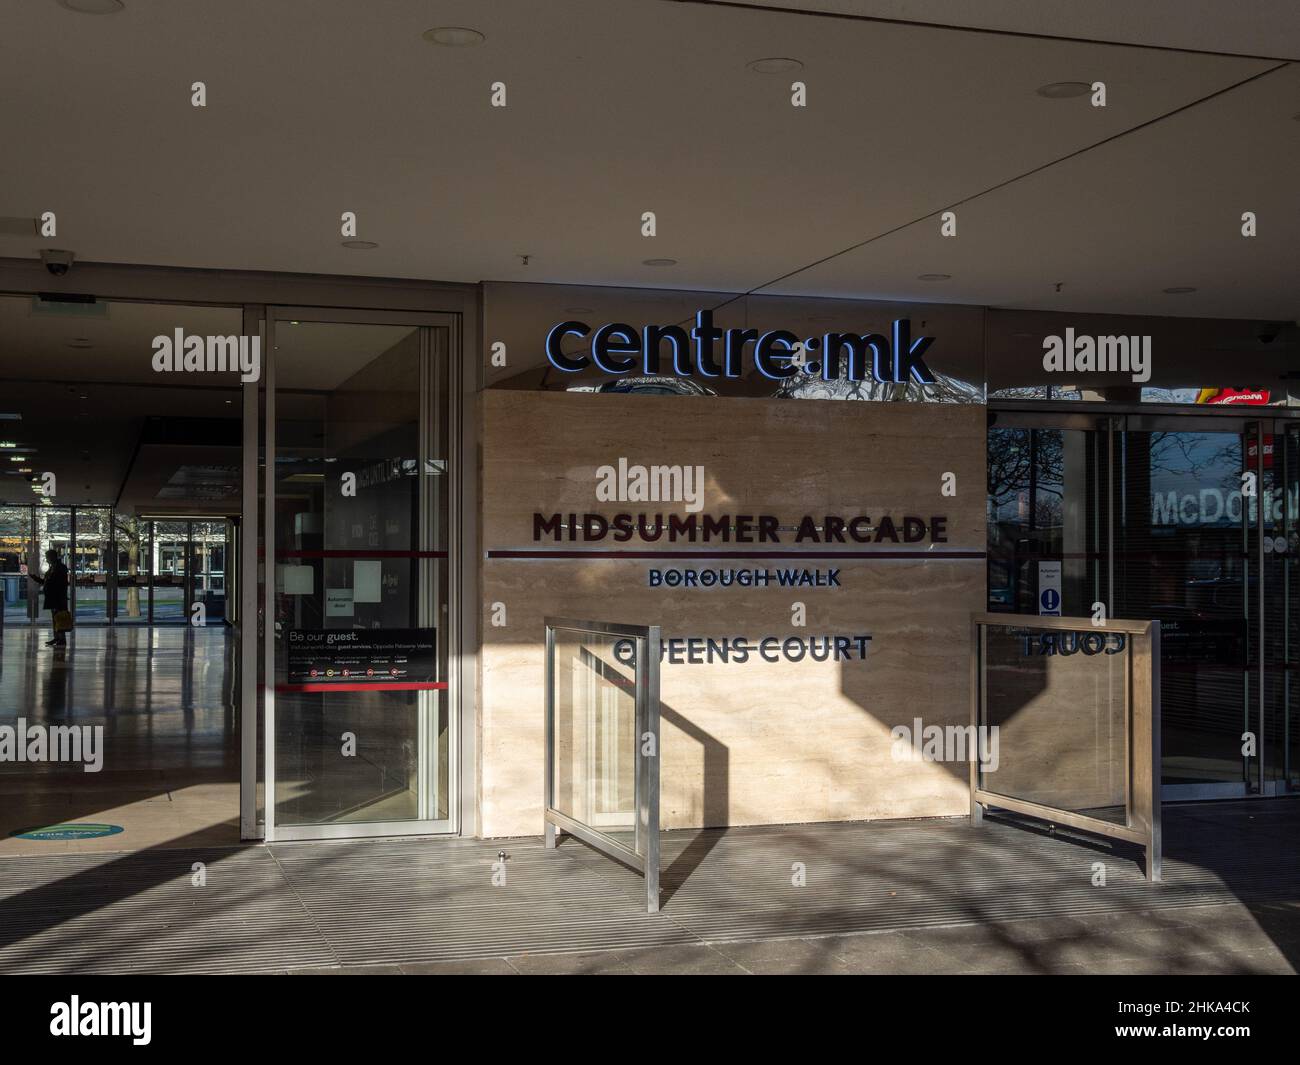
164	697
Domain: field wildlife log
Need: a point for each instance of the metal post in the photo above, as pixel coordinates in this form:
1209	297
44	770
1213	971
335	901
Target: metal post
152	561
647	737
976	700
246	591
548	797
1155	843
268	602
1262	517
72	561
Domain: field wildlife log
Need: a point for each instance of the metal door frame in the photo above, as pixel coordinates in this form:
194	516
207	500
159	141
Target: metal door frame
1291	533
450	632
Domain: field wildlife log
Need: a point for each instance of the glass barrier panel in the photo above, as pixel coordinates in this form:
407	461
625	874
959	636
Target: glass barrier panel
594	722
1053	711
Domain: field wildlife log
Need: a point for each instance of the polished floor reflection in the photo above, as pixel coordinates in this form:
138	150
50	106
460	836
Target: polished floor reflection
164	698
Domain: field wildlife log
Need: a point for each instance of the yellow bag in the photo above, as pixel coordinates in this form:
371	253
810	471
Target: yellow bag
62	621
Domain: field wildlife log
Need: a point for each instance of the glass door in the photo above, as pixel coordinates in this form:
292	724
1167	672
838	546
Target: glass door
209	549
1189	523
134	547
53	531
1188	520
91	564
18	595
360	737
170	558
1049	515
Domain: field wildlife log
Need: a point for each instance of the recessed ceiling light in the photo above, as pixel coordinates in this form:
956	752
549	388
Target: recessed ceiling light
775	65
658	262
1178	290
934	277
1064	90
93	7
453	36
360	245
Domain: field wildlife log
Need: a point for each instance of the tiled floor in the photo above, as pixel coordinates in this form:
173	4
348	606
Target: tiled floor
164	699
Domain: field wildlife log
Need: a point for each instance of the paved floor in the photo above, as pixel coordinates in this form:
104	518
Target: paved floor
885	897
176	893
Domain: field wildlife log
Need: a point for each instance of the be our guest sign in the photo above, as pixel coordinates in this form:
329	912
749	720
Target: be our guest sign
360	659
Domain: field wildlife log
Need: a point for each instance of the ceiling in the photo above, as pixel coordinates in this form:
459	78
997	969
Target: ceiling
90	436
1248	27
617	107
95	413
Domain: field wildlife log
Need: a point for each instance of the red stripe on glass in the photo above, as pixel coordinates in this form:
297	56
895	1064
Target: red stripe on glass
373	686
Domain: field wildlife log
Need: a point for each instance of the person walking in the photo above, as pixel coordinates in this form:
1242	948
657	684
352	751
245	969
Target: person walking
55	586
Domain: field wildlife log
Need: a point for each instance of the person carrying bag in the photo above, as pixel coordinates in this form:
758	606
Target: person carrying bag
55	586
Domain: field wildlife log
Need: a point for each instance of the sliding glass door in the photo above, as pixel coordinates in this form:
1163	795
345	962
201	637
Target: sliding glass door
18	557
133	549
1188	524
91	564
1187	520
359	733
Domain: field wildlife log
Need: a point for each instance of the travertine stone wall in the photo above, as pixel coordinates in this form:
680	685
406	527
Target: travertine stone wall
759	742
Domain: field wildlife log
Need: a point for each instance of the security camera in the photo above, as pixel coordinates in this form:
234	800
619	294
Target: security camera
57	262
1269	331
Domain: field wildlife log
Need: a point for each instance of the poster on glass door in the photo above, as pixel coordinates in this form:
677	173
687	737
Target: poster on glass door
380	658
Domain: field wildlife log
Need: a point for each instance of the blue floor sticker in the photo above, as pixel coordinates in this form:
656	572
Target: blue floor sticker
72	831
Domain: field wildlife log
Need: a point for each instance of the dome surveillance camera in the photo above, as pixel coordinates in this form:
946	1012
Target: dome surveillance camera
1270	331
57	262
